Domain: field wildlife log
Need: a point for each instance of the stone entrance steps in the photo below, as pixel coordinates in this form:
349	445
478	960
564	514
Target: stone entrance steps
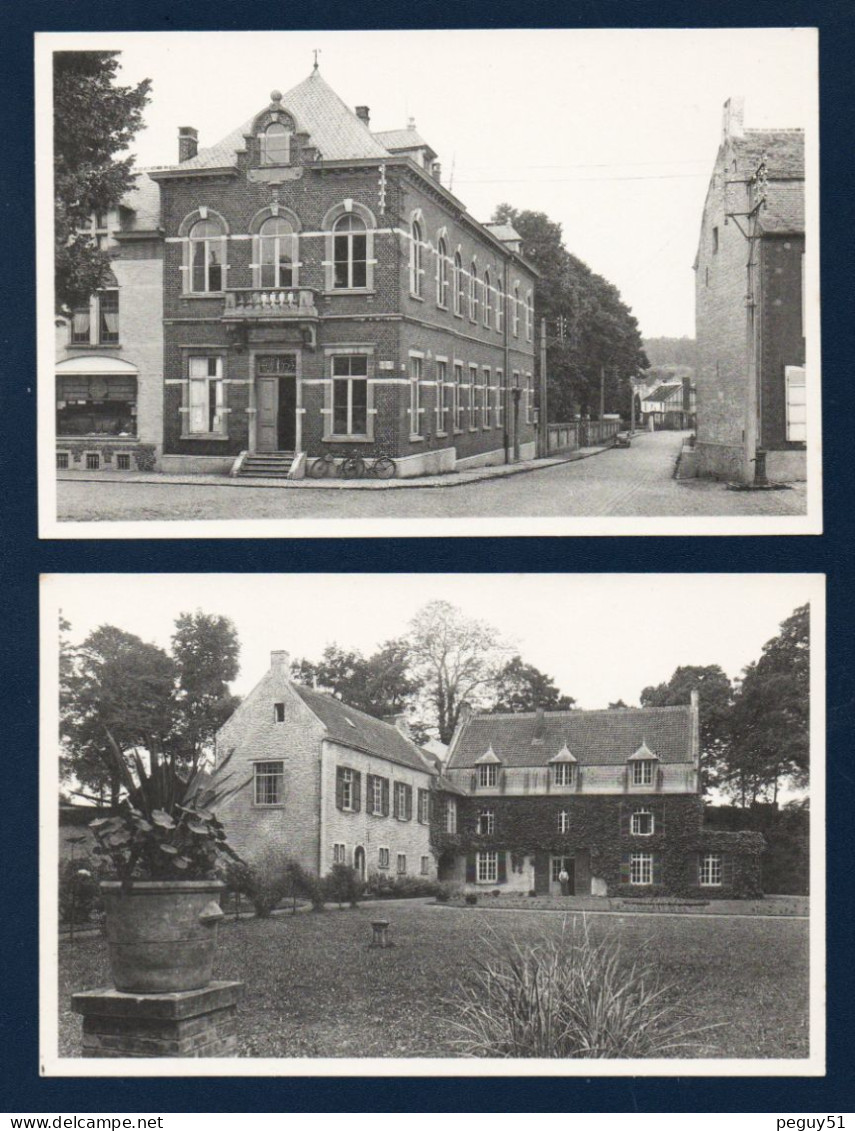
267	465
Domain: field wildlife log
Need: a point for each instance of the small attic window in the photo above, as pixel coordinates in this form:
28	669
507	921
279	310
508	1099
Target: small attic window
276	145
279	712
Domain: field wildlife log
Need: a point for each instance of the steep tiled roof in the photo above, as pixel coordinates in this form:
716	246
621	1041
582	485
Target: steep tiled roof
784	151
596	738
143	201
350	727
662	392
332	127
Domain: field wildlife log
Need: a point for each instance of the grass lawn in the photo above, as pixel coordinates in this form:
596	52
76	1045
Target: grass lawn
315	989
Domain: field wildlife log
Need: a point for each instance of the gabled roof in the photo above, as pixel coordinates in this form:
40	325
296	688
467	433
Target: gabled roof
396	141
784	151
601	738
142	202
563	755
642	754
333	128
350	727
662	392
488	758
507	233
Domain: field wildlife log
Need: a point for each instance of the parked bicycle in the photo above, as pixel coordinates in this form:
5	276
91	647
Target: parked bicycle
353	467
323	467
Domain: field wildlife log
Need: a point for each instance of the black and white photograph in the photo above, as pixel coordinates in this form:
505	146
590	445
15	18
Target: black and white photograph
456	282
436	824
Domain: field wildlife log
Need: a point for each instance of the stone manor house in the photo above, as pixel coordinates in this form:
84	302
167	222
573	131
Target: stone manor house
613	797
304	286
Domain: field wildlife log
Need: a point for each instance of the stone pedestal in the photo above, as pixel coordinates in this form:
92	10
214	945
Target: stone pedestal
192	1024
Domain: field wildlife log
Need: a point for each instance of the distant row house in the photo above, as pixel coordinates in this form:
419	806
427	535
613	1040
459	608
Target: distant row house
303	287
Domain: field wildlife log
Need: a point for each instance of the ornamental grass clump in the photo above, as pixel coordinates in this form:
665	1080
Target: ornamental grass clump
571	996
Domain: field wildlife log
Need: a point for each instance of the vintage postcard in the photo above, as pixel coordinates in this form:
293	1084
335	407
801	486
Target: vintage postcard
345	290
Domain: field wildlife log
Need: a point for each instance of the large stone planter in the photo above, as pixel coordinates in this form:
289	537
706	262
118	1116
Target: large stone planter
162	935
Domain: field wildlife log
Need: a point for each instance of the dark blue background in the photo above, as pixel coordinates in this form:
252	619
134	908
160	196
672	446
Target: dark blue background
24	557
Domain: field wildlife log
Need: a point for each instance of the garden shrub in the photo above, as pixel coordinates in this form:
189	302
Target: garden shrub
570	996
382	886
446	892
269	877
79	894
471	898
343	885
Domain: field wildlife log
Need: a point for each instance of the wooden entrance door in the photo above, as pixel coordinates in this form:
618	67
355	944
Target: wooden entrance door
276	402
267	396
359	862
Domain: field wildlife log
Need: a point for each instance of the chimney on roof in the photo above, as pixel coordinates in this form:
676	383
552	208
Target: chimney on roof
401	724
188	143
281	662
363	114
694	699
732	117
411	123
464	714
436	171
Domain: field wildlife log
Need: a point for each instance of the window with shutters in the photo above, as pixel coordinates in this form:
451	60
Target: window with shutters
711	870
488	775
403	801
268	779
348	789
564	821
383	858
642	772
378	796
451	815
339	854
425	865
641	823
487	864
486	822
402	864
641	869
424	807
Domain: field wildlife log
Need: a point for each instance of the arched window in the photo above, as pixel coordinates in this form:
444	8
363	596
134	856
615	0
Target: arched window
416	250
350	252
207	256
277	253
276	145
488	300
473	292
529	317
441	273
458	284
515	312
500	308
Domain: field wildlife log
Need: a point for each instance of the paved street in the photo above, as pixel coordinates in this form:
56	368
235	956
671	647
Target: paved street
635	481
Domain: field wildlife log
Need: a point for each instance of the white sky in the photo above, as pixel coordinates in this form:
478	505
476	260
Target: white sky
602	637
613	133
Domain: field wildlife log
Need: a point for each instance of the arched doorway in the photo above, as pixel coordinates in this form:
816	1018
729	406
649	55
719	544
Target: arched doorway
359	862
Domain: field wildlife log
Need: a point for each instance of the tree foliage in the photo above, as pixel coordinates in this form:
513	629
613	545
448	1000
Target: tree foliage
379	684
522	687
206	651
94	120
601	338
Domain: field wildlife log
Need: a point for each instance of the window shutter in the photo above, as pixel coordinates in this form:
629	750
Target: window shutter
409	802
385	797
339	788
694	869
657	869
470	867
357	791
503	867
625	820
727	870
624	868
474	782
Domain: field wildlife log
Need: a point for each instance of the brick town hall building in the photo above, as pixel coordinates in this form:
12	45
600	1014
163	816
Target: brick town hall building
322	292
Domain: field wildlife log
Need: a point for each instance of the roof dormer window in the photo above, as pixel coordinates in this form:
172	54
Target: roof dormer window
276	145
563	767
642	766
488	769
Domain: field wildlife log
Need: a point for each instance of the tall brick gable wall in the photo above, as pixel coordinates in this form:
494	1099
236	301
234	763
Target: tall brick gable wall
782	339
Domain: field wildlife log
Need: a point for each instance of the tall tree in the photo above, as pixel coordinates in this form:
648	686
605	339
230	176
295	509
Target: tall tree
523	687
715	703
771	717
94	120
380	684
456	660
206	651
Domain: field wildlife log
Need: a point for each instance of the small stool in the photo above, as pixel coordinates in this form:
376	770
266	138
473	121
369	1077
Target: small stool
380	927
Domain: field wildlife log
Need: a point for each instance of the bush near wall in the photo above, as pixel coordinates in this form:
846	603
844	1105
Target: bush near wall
382	886
600	826
785	863
79	893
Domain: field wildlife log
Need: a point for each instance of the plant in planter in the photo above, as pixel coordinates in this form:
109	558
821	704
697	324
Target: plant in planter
163	846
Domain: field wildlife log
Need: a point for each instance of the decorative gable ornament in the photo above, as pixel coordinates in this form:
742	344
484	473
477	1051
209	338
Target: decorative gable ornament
563	755
643	754
488	757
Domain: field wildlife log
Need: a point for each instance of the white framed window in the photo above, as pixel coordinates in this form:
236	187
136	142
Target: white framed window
339	853
441	395
207	244
473	292
403	801
529	399
488	300
564	821
529	317
402	864
425	866
458	397
96	323
275	145
268	780
346	788
642	823
562	773
473	396
277	253
796	392
486	822
350	394
350	253
642	772
487	864
515	311
375	795
442	273
451	815
488	775
499	403
415	395
500	309
641	869
424	807
486	397
459	281
206	396
711	870
383	858
416	254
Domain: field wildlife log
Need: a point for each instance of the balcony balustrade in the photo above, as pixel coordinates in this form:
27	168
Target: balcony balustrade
259	303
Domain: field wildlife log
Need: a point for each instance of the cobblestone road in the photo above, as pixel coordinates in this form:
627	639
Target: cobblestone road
634	481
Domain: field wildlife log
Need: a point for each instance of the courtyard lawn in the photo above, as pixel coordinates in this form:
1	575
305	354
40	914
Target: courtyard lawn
315	989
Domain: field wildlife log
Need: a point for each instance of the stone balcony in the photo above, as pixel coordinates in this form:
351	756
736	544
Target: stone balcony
257	304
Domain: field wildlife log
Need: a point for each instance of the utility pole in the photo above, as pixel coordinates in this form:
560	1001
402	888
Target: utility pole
632	406
602	391
542	425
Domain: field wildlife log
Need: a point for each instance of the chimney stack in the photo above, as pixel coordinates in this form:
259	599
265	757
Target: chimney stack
436	169
732	117
401	724
188	143
363	114
281	662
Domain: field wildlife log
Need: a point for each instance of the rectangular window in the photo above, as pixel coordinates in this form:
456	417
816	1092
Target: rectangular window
563	821
377	796
488	776
488	867
350	259
529	399
642	772
279	712
473	396
641	869
415	395
96	323
500	310
402	864
383	858
499	401
794	376
424	807
123	461
641	823
93	461
562	773
425	868
80	327
441	395
715	241
346	789
486	398
206	416
350	394
451	815
711	870
62	461
108	317
458	397
268	780
559	865
529	318
403	801
486	822
339	854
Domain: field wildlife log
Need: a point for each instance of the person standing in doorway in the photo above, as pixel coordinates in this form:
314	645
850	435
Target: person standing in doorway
564	880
